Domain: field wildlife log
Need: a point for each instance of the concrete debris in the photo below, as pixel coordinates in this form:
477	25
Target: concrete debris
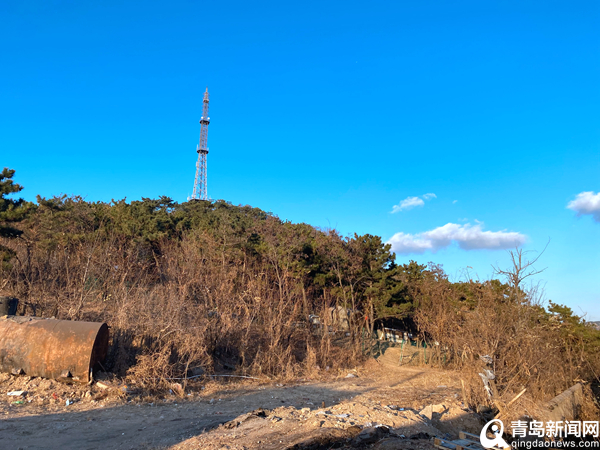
16	393
429	410
565	406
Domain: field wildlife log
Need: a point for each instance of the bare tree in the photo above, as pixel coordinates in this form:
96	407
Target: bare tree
521	269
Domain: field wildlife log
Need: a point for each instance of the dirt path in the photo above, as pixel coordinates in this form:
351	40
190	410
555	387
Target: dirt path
121	427
157	425
294	412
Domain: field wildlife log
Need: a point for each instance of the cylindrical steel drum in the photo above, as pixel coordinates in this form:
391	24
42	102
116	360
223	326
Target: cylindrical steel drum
8	305
51	348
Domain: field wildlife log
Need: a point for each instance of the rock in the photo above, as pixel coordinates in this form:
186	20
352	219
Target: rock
430	409
351	375
439	408
427	412
371	435
177	389
256	414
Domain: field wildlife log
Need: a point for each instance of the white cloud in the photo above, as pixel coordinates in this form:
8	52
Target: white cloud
408	203
586	203
454	201
467	236
412	202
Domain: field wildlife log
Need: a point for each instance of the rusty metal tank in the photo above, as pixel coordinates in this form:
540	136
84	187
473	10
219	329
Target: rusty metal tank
51	348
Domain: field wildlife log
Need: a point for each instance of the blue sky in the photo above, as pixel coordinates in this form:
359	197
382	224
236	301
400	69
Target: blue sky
328	113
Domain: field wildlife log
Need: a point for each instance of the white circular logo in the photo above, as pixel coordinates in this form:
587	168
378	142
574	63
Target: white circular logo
497	441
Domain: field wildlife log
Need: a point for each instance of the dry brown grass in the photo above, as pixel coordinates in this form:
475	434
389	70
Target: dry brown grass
185	309
529	350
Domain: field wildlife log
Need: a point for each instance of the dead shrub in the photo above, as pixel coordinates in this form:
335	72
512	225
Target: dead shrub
527	346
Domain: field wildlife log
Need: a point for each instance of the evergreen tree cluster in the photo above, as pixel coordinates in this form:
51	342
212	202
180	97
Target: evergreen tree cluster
203	279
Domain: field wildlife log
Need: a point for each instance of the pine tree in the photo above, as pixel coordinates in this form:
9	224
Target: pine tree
11	212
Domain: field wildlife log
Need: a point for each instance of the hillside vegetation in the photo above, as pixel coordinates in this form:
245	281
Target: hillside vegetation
205	286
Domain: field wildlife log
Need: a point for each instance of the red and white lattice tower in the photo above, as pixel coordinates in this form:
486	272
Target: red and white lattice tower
200	183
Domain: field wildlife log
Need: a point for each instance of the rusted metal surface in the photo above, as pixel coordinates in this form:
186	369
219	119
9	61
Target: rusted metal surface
51	348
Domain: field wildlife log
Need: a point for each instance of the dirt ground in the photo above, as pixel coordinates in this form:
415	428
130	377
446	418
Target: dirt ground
374	406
